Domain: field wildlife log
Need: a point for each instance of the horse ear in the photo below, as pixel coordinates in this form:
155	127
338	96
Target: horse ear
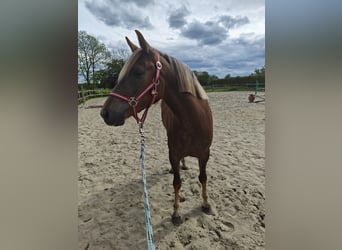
143	44
131	45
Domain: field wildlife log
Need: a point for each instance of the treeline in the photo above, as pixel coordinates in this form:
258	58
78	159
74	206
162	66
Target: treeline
100	67
211	80
238	81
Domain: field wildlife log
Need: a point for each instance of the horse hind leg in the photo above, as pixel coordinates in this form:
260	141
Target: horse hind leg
177	183
183	166
202	162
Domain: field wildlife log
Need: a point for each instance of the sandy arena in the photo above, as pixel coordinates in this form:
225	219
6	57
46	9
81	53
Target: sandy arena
111	213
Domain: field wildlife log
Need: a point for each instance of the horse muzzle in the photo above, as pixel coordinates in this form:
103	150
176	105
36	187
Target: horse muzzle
112	118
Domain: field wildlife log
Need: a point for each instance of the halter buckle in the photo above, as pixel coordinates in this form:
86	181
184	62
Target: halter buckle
133	102
159	65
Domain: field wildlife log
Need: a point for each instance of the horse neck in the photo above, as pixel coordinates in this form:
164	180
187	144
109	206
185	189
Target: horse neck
175	100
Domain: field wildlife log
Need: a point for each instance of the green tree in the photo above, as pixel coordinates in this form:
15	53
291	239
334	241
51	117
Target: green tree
258	75
91	54
202	76
227	76
213	78
109	75
259	72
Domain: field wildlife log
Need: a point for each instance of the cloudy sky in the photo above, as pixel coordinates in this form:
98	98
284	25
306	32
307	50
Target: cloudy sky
218	36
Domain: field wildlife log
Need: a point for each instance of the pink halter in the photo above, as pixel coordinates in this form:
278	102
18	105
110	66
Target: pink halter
134	100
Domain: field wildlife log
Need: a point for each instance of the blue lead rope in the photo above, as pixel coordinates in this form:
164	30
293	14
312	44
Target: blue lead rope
149	231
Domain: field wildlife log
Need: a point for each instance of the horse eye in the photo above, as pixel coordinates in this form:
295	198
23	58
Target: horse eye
138	71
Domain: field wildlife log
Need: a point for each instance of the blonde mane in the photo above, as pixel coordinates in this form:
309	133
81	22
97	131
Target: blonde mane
186	80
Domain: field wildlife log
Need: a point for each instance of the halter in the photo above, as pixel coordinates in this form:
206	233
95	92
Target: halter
134	100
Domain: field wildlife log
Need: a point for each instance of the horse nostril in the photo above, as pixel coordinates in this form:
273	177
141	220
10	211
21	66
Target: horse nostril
104	113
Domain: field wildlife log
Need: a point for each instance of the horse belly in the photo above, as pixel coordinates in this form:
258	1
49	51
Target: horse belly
189	138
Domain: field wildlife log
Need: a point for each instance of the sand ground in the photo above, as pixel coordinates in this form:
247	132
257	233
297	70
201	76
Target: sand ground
111	214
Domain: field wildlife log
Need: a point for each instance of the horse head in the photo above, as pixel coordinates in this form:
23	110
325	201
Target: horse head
136	86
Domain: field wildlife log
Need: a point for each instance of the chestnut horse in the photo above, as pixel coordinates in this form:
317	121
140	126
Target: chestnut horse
148	76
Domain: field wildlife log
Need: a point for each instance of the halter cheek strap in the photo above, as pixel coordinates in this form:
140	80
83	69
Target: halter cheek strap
134	100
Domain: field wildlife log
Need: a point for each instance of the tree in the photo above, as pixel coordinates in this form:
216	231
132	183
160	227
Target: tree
213	78
202	76
108	77
91	53
259	72
227	76
259	75
120	54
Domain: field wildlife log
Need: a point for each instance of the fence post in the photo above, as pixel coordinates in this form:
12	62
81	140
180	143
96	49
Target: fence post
82	91
256	87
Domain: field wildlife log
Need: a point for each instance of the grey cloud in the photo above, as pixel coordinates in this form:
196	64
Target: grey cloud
233	22
177	17
208	33
233	56
140	3
118	13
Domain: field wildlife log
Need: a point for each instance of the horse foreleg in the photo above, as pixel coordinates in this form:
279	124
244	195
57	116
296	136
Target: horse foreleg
202	162
177	183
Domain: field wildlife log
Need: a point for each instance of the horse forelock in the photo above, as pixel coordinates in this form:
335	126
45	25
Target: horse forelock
129	64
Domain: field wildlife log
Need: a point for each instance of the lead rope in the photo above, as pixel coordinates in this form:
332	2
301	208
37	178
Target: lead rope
149	231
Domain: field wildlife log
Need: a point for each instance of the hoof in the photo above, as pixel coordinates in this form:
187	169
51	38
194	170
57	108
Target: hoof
176	220
208	210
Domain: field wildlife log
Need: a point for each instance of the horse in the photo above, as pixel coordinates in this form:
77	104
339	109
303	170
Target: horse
149	76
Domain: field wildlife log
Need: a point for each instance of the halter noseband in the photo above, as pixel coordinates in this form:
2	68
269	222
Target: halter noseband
134	100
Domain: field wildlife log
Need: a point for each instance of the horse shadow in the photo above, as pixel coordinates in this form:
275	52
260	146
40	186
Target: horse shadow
114	217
